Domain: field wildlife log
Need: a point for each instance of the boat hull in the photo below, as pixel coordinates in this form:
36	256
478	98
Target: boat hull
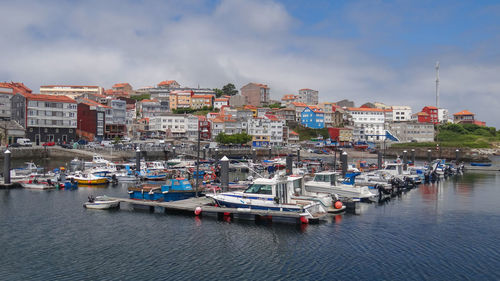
101	205
98	181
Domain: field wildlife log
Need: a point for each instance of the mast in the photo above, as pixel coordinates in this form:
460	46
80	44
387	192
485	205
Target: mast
437	84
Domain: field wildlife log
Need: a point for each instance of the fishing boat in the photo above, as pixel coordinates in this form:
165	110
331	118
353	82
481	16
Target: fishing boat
89	179
173	190
38	185
153	175
101	203
328	182
276	194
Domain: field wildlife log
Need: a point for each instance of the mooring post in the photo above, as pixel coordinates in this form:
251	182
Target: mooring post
379	160
254	155
224	174
173	152
405	161
204	153
138	161
429	156
343	159
413	157
270	153
216	155
457	155
6	167
289	165
298	154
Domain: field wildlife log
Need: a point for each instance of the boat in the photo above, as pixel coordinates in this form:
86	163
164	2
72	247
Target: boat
153	175
276	194
101	203
39	185
89	179
30	168
173	190
480	164
328	182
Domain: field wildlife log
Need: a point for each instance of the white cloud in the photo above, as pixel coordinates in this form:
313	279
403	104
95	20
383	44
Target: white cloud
237	41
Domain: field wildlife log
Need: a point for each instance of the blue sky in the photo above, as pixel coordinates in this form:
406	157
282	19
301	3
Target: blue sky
361	50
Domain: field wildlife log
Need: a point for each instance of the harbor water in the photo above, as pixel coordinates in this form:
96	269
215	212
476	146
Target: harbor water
442	231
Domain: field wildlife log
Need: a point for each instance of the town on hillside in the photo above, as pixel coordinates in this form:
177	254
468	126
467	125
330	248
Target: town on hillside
84	113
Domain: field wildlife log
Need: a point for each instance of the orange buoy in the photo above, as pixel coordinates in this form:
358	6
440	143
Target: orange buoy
304	220
338	205
197	211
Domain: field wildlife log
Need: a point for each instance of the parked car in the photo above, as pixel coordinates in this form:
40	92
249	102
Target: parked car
66	145
49	143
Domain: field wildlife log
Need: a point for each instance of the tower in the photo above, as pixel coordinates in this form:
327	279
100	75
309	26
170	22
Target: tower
437	84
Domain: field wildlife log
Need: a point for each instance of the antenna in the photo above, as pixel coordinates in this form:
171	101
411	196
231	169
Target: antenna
437	84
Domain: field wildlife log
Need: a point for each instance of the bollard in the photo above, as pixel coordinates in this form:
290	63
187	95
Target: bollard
457	155
173	152
138	160
405	161
298	154
343	159
216	155
413	156
6	167
379	160
224	174
429	156
204	153
334	160
254	155
270	153
289	165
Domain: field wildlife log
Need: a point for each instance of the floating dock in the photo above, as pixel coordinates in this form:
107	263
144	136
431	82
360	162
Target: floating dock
482	168
201	205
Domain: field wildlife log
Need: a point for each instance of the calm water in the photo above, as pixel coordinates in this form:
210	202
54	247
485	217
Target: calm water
443	231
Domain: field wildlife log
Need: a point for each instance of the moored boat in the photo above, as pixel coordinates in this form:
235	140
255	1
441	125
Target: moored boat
101	203
90	179
480	164
173	190
327	182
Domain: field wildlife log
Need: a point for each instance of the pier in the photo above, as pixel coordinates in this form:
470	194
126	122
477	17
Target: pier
192	206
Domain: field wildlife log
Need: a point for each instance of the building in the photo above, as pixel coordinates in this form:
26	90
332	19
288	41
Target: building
288	99
192	127
342	136
149	108
308	96
47	118
444	116
400	113
412	131
10	131
180	99
204	128
170	125
116	123
5	103
121	89
256	94
71	91
367	123
312	117
266	131
345	103
223	123
91	119
237	101
293	137
432	117
466	117
202	101
287	114
169	84
220	102
298	107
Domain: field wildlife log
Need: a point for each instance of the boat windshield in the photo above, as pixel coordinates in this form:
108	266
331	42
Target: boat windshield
259	189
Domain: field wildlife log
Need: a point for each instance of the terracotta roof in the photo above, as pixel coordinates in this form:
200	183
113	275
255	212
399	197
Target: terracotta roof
92	103
261	85
293	133
202	96
98	95
364	109
221	99
431	107
72	86
480	123
249	106
168	82
53	98
289	97
463	112
299	104
306	89
120	85
272	117
17	87
152	100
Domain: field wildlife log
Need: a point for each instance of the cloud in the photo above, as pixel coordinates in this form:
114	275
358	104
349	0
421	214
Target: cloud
206	44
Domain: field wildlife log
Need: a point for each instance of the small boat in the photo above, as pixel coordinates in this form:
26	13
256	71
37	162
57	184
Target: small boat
328	182
480	164
153	175
101	203
173	190
90	179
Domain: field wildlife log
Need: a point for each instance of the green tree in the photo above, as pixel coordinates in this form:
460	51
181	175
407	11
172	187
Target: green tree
218	92
240	138
229	90
141	97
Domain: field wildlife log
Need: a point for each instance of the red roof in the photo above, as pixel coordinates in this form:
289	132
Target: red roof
202	96
221	99
293	133
431	107
463	112
364	109
152	100
306	89
72	86
272	117
53	98
121	85
166	83
289	97
17	87
299	104
93	103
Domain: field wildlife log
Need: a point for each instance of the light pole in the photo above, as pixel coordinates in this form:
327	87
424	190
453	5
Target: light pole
198	162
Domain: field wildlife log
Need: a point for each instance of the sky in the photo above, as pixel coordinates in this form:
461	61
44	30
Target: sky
365	51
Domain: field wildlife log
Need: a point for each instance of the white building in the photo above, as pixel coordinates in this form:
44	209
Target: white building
220	102
172	124
401	113
71	91
5	102
367	123
308	96
444	116
192	127
266	129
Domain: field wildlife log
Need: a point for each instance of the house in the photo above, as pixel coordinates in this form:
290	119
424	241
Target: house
91	119
170	84
71	91
256	94
288	99
308	96
312	117
432	117
287	114
400	113
10	131
168	124
47	118
412	131
115	119
224	123
120	90
367	123
293	137
237	101
466	117
220	102
342	136
7	90
266	131
298	107
201	101
149	108
180	99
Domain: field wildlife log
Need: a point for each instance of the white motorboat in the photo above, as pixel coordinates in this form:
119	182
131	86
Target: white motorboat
327	182
101	203
396	170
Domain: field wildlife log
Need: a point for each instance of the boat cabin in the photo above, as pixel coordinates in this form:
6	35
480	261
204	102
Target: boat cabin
393	168
329	178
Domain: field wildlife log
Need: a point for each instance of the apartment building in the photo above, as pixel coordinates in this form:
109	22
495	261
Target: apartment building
71	91
256	94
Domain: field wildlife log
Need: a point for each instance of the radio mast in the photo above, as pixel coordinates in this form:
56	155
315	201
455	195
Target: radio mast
437	84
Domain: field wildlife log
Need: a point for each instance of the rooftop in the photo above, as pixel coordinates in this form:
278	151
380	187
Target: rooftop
463	112
53	98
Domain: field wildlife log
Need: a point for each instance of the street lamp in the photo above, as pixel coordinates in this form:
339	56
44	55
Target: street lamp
198	161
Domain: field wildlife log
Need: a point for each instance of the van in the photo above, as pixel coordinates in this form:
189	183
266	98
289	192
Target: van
24	142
